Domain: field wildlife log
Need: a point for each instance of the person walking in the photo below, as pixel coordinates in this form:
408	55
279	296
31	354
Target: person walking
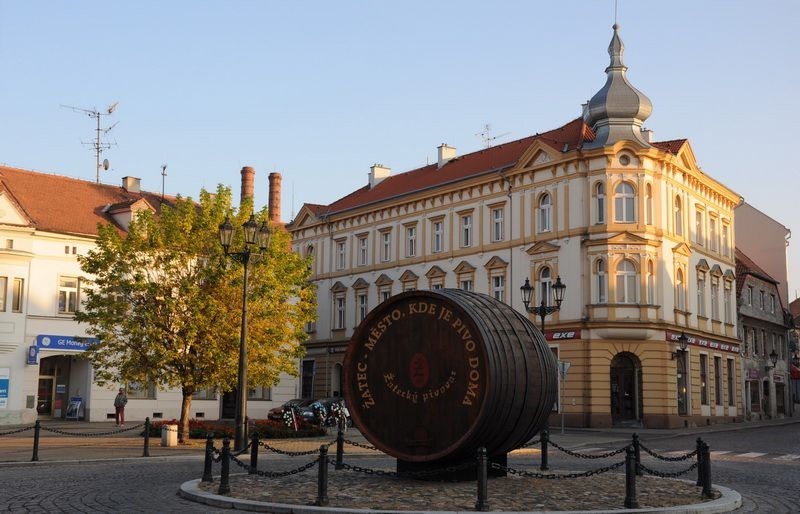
119	406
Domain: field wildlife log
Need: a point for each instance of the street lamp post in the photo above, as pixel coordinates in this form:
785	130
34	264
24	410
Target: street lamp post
255	237
543	310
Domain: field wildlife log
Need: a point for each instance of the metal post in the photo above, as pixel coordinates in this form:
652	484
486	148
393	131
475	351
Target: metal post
700	458
545	439
637	450
339	448
482	504
240	442
322	477
253	455
146	450
224	485
706	494
630	479
36	428
207	477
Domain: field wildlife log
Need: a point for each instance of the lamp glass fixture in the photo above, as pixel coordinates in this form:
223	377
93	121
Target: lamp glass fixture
526	291
558	291
226	233
250	230
264	235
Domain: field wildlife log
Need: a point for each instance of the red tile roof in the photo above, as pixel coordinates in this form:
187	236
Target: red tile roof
746	266
673	146
66	205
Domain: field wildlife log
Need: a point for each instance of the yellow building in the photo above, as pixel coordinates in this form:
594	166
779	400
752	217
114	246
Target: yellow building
642	238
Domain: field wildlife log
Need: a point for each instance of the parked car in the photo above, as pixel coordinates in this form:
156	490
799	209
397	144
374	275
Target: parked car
300	404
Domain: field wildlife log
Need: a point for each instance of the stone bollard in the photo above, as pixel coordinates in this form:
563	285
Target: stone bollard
482	504
207	476
253	455
545	439
36	429
146	450
630	479
637	451
339	448
224	485
322	477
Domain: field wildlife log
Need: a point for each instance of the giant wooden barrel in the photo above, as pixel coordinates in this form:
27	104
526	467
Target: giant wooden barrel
434	375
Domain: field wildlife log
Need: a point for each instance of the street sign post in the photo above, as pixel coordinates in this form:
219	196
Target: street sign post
563	367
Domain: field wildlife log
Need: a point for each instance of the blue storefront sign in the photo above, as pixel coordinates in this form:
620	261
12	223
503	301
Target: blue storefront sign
72	343
5	374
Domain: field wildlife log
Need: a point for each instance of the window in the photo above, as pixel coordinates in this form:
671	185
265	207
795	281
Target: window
781	348
725	245
699	236
772	303
411	241
545	213
498	287
764	341
648	205
545	283
680	291
206	393
311	327
678	217
651	284
602	281
624	203
718	381
727	302
701	294
761	299
385	294
339	315
437	286
715	298
731	384
362	251
9	244
16	298
340	254
3	292
704	379
626	282
600	199
466	285
466	230
362	306
754	340
386	246
748	295
259	393
497	224
310	256
67	295
712	234
437	236
140	391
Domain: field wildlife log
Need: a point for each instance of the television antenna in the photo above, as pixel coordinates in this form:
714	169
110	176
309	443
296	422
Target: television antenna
99	144
486	136
163	176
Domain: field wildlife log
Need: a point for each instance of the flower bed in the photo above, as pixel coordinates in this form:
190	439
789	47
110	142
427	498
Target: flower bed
265	428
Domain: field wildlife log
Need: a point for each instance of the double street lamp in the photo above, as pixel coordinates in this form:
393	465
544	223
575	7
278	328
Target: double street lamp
543	310
256	241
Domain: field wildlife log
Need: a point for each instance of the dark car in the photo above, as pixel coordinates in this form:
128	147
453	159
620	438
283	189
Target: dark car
300	404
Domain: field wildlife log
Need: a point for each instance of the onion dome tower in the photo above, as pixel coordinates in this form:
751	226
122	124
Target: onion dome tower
618	110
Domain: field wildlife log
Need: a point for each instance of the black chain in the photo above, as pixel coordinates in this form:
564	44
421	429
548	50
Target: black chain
406	474
17	431
667	475
556	476
531	443
586	455
292	454
669	459
353	443
276	474
92	434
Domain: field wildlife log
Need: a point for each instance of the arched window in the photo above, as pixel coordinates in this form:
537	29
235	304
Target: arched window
602	281
545	213
648	205
651	284
627	283
624	203
680	291
600	200
545	281
678	217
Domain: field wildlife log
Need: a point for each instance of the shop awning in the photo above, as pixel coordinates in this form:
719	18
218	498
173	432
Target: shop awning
794	371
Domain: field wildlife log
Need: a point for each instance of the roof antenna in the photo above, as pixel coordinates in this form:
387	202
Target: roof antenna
487	138
163	176
616	2
292	216
98	145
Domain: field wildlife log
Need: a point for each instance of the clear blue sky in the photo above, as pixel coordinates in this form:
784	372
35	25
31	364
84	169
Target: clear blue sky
322	90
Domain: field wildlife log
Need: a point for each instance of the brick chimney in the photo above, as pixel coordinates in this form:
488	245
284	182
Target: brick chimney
248	178
274	206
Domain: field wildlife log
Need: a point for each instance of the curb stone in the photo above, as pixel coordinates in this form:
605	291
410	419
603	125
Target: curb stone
729	500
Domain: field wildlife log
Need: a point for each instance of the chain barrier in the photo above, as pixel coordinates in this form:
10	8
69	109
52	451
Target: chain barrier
556	476
290	453
405	474
662	474
586	455
17	431
92	434
276	474
353	443
668	459
531	443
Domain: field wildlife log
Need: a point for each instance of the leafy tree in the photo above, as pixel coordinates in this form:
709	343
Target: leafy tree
165	302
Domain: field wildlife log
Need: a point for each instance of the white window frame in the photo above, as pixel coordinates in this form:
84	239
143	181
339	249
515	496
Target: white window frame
648	205
545	285
715	298
437	228
411	241
600	202
726	249
651	283
340	311
602	281
627	282
713	237
341	254
466	284
386	246
466	230
363	308
699	232
69	297
498	224
363	250
545	209
726	300
680	290
499	287
624	203
701	294
678	208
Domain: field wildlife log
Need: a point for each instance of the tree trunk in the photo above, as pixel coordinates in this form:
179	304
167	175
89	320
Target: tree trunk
186	407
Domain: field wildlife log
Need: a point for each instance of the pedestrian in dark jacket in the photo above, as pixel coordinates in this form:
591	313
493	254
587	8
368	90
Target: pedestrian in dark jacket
119	406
